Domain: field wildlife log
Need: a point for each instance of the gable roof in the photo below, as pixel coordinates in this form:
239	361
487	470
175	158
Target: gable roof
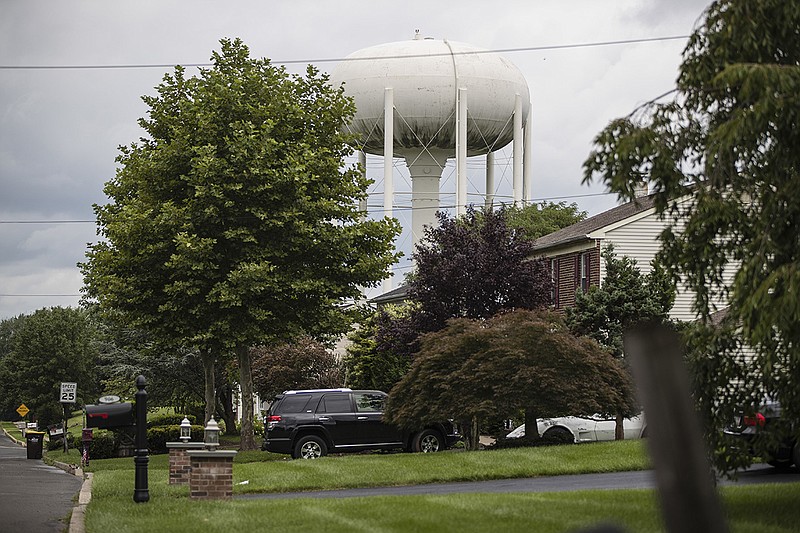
580	230
396	295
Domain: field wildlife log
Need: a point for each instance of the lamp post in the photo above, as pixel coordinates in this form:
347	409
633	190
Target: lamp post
211	435
186	430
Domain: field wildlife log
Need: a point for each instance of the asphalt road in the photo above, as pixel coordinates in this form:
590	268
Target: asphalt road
34	497
616	480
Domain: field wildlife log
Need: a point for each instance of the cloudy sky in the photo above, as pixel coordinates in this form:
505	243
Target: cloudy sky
60	127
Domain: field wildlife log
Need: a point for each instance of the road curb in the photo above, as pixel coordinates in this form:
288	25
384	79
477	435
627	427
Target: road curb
7	434
77	523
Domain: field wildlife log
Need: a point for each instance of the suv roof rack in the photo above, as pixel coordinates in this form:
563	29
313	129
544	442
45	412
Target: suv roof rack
309	391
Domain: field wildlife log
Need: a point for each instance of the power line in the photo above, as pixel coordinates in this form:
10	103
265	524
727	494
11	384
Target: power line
339	59
39	295
47	221
399	208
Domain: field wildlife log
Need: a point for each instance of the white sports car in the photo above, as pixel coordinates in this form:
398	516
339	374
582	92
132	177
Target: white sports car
592	428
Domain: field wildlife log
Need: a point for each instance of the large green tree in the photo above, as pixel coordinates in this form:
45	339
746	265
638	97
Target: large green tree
516	361
538	220
42	350
625	298
723	160
234	221
381	348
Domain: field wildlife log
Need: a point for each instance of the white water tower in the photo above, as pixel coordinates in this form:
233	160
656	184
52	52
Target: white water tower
429	100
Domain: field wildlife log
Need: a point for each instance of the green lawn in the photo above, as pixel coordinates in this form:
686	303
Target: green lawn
12	430
762	508
767	508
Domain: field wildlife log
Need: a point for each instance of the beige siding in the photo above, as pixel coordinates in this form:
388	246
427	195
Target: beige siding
639	240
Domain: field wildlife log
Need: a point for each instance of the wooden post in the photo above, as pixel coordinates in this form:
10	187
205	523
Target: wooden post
686	486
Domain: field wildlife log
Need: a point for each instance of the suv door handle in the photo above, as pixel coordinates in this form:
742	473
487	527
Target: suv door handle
324	418
363	417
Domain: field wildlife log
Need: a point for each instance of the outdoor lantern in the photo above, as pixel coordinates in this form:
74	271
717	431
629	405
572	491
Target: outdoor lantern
186	430
212	434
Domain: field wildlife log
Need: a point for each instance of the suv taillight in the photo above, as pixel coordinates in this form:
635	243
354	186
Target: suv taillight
272	421
757	420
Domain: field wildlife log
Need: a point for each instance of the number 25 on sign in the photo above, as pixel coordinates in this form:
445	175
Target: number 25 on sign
68	392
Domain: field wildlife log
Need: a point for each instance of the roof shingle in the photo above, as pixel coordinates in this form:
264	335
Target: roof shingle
580	230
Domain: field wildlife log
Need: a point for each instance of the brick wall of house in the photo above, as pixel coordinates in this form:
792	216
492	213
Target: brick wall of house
567	279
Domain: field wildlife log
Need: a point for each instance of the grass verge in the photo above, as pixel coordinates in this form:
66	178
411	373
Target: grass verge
12	430
763	508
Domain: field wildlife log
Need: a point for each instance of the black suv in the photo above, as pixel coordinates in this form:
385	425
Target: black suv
309	423
747	427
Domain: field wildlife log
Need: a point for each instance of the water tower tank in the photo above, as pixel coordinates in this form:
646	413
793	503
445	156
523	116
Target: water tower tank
447	99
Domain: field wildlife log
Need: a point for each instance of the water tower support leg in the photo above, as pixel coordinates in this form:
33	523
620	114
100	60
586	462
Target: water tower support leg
461	153
527	163
388	150
517	175
489	179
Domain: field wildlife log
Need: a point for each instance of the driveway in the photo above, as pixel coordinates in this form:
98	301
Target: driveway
34	497
617	480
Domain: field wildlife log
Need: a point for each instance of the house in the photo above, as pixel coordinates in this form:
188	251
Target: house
395	296
574	252
632	228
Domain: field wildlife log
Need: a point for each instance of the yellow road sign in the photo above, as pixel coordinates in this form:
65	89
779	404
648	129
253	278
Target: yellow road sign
23	410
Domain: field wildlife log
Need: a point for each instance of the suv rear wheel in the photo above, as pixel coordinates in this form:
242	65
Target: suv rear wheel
310	447
427	441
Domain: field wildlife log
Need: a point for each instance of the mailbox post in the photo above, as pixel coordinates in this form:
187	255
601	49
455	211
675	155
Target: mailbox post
121	415
141	493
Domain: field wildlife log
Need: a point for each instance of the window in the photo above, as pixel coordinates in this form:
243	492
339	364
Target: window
369	402
335	403
585	271
295	403
554	280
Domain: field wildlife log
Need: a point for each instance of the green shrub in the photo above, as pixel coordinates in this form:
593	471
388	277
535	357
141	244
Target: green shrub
169	420
105	445
158	437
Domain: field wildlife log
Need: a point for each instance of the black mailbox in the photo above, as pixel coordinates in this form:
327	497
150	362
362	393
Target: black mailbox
109	415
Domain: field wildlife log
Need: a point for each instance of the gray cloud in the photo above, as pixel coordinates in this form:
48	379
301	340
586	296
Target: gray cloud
59	129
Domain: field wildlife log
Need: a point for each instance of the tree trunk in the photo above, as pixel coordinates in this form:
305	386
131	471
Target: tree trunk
619	429
469	427
208	359
225	397
248	441
531	426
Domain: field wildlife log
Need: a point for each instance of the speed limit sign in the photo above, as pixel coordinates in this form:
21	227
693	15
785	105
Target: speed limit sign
68	392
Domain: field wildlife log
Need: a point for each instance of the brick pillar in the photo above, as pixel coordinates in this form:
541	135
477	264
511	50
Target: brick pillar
211	477
179	464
